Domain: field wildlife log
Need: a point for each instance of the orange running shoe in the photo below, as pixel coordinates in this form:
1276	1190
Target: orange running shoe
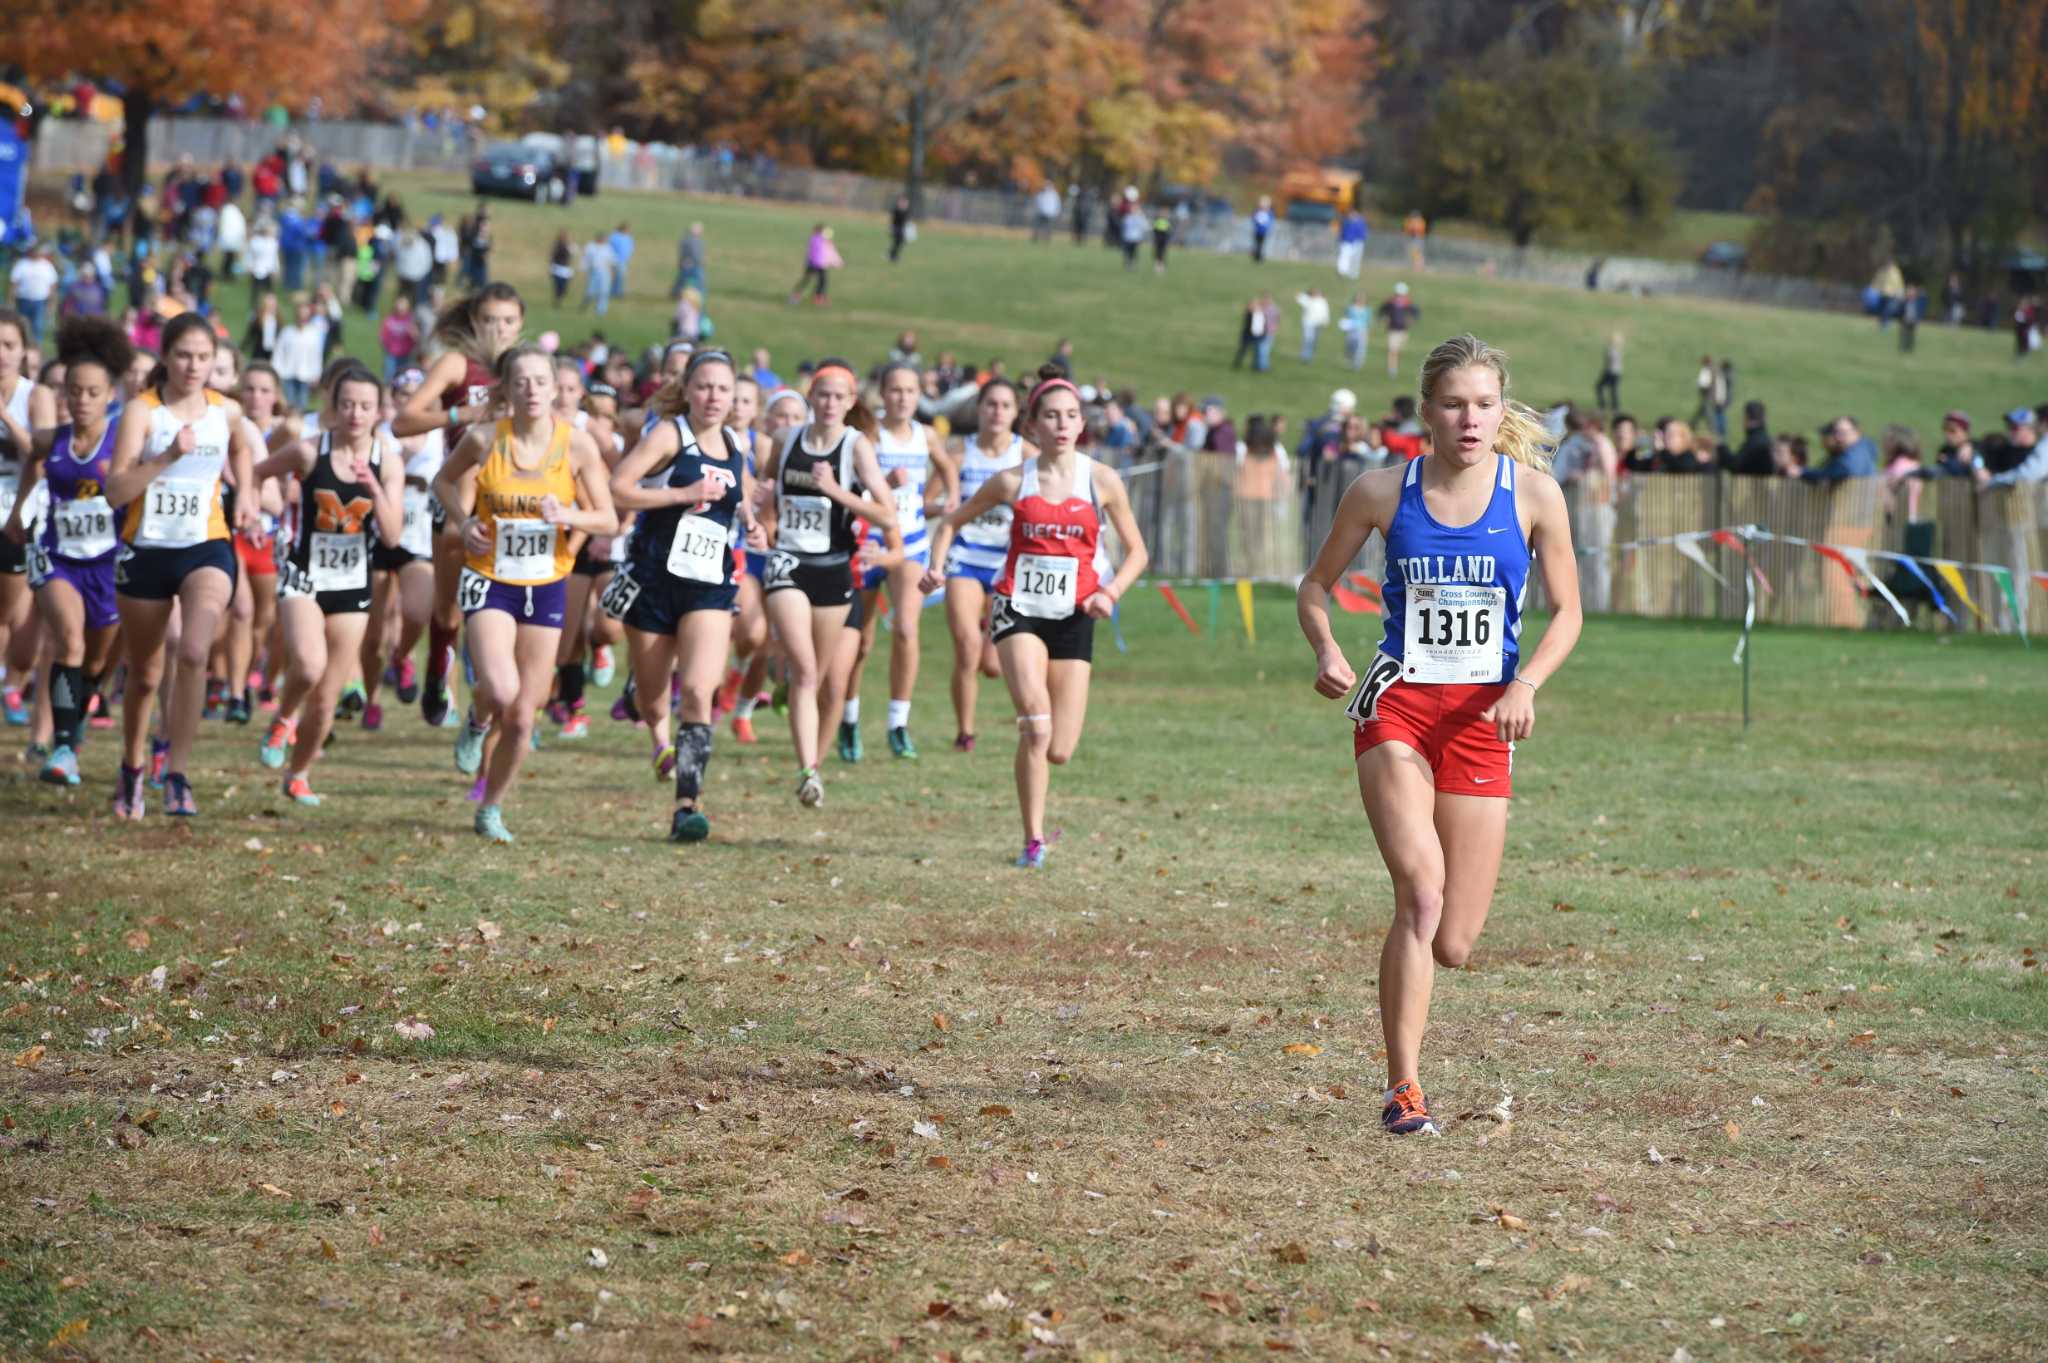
729	692
1405	1113
743	729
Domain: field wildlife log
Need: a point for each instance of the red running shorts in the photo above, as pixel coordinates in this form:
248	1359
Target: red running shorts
1442	722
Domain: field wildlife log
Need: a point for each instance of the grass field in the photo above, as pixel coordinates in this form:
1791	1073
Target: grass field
844	1085
984	293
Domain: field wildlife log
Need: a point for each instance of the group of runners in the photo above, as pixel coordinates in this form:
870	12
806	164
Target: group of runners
190	548
169	519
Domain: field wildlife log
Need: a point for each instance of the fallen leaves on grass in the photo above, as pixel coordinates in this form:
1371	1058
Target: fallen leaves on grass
797	1258
995	1110
596	1258
1307	1048
488	931
412	1029
939	1021
71	1332
31	1058
1291	1253
1222	1303
1734	1132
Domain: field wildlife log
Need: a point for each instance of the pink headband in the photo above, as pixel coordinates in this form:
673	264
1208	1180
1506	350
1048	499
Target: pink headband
1046	386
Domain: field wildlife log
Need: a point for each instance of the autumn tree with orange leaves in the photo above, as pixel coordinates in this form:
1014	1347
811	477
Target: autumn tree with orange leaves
1018	89
162	51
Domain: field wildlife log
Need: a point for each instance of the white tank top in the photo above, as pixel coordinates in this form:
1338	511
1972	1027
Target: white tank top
991	529
181	506
911	452
11	459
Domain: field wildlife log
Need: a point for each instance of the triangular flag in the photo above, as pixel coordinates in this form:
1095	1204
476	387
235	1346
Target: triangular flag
1353	602
2041	581
1955	584
1835	556
1861	559
1689	545
1727	539
2002	575
1940	603
1244	606
1363	582
1179	609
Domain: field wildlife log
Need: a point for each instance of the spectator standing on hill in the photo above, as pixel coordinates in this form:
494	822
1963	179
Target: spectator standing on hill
447	248
1251	326
763	374
1262	227
415	264
298	356
232	237
1911	308
1351	238
2026	327
689	262
597	275
1401	314
821	257
1703	386
1416	228
1045	212
621	242
263	257
1607	388
1315	315
1356	324
33	280
84	296
1888	286
1723	396
1952	299
561	266
1130	229
259	338
1850	453
398	336
473	243
899	227
1753	458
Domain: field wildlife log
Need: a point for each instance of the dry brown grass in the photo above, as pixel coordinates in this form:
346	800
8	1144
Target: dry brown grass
874	1095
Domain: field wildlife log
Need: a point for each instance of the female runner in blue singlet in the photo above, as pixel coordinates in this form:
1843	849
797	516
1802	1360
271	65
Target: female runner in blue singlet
1448	693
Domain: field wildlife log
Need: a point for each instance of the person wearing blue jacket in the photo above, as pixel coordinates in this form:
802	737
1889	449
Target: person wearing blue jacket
1850	453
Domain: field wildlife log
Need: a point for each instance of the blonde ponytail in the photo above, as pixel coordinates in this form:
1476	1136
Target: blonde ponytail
1523	436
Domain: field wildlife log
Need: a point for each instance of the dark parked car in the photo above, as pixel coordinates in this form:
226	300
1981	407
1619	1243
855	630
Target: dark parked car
1725	255
514	170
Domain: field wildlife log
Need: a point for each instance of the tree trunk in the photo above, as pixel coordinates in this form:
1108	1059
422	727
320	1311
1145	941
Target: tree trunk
136	107
913	179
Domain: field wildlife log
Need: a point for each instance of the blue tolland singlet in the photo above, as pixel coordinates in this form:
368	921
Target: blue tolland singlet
1452	596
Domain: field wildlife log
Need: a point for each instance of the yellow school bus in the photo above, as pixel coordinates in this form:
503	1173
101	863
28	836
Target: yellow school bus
1318	193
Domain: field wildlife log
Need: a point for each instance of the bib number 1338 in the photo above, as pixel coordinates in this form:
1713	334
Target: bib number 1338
1453	633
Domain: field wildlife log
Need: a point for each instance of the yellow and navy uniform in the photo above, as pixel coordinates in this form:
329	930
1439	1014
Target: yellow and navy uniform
508	502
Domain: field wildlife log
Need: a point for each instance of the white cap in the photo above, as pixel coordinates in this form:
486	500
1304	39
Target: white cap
1344	400
1401	290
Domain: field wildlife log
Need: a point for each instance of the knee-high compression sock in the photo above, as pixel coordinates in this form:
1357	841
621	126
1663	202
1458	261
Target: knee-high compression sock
67	703
440	649
571	677
693	755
